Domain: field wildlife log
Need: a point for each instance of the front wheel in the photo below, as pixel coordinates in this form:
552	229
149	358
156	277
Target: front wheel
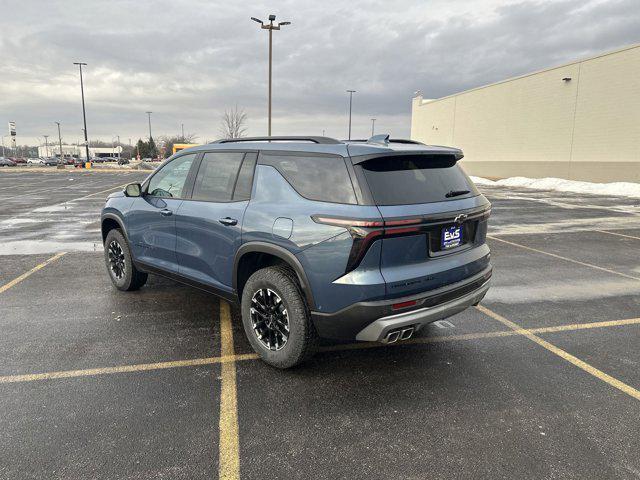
117	256
276	319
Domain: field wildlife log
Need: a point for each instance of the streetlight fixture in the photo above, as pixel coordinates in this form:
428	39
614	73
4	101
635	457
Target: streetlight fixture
350	92
84	114
60	164
373	125
271	27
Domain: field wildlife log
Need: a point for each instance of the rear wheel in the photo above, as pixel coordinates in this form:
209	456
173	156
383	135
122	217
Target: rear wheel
117	256
276	319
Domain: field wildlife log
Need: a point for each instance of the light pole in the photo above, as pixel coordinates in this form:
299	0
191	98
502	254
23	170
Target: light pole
150	137
60	142
351	92
271	27
113	147
84	114
182	125
46	145
373	125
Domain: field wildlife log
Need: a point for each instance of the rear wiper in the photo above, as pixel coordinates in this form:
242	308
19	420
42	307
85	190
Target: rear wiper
456	193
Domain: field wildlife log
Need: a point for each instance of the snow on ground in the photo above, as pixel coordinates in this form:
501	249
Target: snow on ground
620	189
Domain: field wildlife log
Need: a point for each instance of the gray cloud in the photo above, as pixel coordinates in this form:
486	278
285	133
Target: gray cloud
189	60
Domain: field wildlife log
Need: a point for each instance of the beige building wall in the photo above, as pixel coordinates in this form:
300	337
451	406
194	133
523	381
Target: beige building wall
539	125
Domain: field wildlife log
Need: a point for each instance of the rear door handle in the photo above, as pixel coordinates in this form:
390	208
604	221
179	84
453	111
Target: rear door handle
166	212
228	221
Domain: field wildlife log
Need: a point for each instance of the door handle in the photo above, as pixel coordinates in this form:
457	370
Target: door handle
228	221
166	212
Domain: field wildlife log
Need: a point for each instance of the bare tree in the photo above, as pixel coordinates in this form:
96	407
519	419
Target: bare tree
233	123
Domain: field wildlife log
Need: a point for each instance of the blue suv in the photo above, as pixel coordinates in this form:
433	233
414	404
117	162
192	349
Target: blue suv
314	237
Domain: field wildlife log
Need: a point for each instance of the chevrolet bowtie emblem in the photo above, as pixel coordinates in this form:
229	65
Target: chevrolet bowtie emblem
460	218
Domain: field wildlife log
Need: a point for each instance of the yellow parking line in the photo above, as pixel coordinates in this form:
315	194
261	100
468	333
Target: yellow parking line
241	357
590	265
101	191
40	266
229	443
107	370
599	374
618	234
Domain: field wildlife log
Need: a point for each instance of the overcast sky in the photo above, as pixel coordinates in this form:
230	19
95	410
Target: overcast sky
187	61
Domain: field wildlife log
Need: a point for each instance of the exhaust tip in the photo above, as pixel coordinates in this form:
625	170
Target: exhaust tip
406	333
392	337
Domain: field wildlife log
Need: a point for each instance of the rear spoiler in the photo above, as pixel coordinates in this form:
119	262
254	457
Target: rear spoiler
434	151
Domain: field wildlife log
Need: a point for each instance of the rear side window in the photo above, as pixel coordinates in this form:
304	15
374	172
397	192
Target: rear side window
245	178
403	180
319	177
217	176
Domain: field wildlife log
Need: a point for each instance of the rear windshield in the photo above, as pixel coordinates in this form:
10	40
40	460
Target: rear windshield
416	179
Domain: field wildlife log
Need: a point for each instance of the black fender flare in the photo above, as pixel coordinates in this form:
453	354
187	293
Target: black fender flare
283	254
117	219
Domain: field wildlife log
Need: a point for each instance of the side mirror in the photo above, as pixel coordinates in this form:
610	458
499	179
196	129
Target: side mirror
133	190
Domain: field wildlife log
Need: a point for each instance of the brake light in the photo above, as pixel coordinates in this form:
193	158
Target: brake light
365	231
365	223
347	222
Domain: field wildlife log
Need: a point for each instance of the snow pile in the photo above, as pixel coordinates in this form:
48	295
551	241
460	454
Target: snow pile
619	189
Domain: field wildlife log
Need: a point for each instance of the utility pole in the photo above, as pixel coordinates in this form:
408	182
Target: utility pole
271	27
119	148
373	125
182	125
46	146
84	114
59	140
351	92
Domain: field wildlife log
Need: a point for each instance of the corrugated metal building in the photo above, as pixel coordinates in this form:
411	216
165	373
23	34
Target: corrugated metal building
578	121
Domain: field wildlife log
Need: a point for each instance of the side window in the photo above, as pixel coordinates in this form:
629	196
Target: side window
169	181
217	176
322	177
245	178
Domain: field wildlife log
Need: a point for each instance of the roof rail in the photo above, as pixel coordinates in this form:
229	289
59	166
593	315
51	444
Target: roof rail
319	140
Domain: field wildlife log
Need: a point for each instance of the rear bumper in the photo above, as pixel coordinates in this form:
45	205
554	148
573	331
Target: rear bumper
372	321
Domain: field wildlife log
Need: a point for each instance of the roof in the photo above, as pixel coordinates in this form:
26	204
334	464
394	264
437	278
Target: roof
327	145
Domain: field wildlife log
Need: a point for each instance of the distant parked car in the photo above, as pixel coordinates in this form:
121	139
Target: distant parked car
51	161
78	162
123	161
5	162
35	161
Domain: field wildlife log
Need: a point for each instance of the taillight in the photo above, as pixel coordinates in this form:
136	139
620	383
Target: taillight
365	231
347	222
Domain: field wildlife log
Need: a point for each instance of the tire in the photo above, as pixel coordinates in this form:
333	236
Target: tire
288	302
124	275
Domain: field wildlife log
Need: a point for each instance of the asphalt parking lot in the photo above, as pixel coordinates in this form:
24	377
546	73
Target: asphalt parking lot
541	381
